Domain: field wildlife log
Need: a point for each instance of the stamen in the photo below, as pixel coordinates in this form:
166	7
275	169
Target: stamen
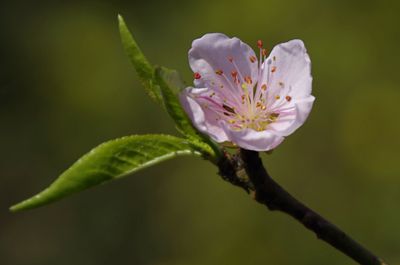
252	59
264	52
196	75
234	75
259	44
273	69
288	98
264	87
277	97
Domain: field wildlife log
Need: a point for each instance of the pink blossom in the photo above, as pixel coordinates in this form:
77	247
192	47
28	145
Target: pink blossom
252	103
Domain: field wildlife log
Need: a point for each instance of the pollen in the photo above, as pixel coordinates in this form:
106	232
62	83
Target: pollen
196	75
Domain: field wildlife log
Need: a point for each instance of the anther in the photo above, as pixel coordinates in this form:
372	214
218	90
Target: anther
273	116
264	87
252	59
196	75
219	72
248	80
277	97
273	69
288	98
259	44
230	58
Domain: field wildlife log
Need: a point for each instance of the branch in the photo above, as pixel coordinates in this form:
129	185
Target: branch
248	172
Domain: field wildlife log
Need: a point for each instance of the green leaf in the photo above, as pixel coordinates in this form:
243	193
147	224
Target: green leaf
142	66
171	84
108	161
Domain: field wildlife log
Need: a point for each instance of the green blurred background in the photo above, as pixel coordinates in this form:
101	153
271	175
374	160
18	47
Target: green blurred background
66	86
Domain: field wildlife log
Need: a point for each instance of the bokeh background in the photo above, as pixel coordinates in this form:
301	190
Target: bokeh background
66	86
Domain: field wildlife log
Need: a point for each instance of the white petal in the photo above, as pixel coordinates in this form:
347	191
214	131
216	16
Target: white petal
203	119
253	140
289	123
211	53
288	66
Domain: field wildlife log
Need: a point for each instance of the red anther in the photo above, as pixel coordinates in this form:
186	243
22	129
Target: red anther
273	69
288	98
259	44
252	59
234	74
196	75
230	58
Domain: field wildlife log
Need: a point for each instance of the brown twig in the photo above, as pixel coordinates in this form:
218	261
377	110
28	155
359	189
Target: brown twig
247	171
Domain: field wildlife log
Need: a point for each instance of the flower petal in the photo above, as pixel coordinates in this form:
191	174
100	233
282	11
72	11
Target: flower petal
292	121
209	56
253	140
202	118
288	66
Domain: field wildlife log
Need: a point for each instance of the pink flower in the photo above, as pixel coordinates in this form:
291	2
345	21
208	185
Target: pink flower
252	103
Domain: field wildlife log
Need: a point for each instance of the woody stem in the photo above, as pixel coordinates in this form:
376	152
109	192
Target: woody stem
271	194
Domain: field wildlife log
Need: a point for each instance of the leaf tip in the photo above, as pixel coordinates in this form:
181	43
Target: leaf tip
17	207
121	20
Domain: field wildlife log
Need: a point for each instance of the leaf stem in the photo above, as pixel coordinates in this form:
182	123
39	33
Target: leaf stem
271	194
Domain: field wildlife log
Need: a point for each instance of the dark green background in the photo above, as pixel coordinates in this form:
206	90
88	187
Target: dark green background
66	86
